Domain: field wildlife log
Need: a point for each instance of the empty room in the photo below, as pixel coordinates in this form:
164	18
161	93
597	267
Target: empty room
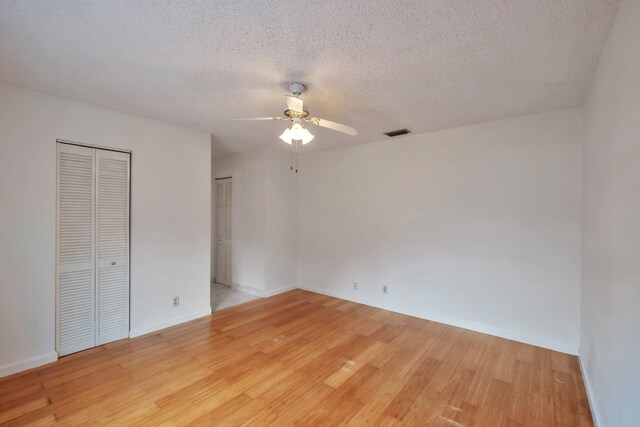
361	213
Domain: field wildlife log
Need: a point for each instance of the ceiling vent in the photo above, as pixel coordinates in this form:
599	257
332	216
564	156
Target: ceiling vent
397	132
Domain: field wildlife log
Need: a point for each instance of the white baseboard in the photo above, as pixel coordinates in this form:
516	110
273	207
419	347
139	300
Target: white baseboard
23	365
168	323
460	323
248	290
590	396
279	291
261	293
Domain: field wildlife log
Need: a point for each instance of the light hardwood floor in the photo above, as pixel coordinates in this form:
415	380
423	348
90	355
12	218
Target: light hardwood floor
307	359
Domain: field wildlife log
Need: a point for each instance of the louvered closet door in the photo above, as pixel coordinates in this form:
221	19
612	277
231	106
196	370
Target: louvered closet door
112	243
75	252
223	231
227	230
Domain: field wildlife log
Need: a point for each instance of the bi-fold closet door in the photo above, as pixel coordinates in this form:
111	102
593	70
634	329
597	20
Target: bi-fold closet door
223	231
92	289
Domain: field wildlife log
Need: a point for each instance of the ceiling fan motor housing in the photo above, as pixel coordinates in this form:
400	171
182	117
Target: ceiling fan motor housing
297	88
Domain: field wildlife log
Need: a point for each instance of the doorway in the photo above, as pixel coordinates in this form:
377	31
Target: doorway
224	292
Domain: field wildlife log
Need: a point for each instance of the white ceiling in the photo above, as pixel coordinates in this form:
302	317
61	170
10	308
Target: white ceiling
376	65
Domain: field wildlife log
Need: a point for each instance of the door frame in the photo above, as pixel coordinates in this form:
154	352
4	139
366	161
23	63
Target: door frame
57	231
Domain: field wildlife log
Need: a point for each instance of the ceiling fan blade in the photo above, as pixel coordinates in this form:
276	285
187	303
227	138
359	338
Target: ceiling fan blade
294	103
335	126
259	118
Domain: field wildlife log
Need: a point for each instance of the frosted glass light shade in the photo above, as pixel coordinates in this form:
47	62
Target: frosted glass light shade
297	131
286	136
307	137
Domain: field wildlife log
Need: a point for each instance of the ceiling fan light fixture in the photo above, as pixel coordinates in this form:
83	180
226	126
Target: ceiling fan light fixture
296	132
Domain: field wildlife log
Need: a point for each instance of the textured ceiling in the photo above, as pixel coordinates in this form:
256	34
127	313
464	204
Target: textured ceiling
376	65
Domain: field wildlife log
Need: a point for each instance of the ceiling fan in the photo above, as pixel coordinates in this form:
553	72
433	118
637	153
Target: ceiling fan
298	116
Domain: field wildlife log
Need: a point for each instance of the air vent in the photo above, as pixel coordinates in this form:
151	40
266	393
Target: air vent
397	132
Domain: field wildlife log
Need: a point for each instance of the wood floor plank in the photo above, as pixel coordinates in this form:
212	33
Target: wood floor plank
302	358
16	411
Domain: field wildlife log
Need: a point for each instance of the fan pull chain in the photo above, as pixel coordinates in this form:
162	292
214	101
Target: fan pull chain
293	161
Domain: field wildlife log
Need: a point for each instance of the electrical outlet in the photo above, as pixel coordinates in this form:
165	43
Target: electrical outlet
176	301
355	286
385	289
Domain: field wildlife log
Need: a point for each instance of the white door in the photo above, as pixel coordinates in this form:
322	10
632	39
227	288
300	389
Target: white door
92	248
223	231
112	244
75	252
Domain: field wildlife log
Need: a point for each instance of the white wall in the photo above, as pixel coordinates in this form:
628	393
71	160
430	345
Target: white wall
264	211
610	339
248	171
170	217
476	226
281	223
